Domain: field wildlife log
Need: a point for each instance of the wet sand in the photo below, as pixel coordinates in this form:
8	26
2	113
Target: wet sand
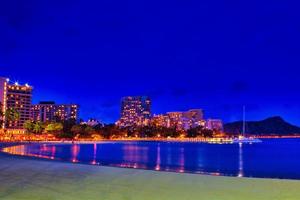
23	179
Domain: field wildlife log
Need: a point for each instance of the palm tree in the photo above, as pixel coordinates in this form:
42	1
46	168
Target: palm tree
12	114
54	128
29	126
1	119
38	127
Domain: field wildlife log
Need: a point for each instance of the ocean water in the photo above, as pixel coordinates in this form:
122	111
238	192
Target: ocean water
273	158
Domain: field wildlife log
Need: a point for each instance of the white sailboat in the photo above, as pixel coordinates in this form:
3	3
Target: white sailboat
242	138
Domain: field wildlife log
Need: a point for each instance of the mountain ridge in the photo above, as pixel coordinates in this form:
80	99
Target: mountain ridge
270	126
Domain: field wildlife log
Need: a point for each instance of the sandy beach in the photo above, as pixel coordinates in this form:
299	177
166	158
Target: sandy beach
22	178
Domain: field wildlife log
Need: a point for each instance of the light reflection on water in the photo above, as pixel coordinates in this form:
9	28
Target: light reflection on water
181	160
94	162
157	166
241	164
75	151
241	160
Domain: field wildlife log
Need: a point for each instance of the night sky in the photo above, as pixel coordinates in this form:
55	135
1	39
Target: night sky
216	55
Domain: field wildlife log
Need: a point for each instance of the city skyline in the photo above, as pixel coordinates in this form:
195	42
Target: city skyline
115	116
218	59
135	110
17	108
166	100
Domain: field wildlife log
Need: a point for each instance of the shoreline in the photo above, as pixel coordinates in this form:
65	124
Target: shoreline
41	179
47	158
200	140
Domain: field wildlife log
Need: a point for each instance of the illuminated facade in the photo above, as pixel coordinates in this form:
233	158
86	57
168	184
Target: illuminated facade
193	118
16	97
176	119
67	111
194	114
214	124
160	121
180	120
49	111
135	111
3	91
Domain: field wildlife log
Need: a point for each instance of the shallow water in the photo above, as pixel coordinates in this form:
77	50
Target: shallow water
273	158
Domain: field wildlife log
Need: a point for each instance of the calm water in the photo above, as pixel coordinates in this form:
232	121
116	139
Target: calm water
273	158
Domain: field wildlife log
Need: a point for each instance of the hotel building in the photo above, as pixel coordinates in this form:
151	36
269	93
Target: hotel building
194	114
214	124
180	120
47	111
16	97
160	121
187	119
195	117
176	119
135	111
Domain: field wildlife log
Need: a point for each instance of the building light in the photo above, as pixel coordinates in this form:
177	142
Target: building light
16	83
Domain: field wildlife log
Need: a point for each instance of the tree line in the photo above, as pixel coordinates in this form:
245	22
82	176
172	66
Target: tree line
69	129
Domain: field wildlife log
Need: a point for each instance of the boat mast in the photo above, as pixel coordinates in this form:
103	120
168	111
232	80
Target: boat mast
244	120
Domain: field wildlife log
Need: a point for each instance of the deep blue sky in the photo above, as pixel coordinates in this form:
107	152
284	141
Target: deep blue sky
214	54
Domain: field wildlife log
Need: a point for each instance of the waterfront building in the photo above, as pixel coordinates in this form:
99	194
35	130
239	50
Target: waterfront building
135	111
161	121
199	123
187	119
66	112
49	111
194	114
194	118
176	119
214	124
14	96
44	111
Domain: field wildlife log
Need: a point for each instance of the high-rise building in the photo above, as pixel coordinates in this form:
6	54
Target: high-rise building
161	121
49	111
194	118
67	111
176	119
194	114
18	98
44	111
214	124
187	119
135	111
